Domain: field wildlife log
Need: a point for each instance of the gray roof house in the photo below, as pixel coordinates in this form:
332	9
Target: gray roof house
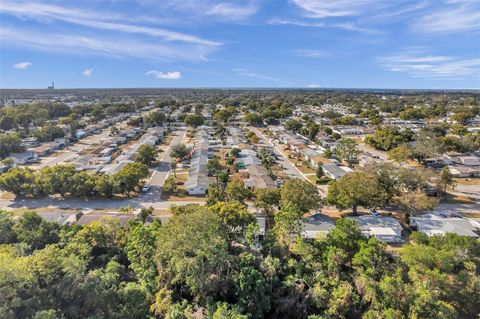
334	171
440	224
317	225
198	181
61	218
385	229
24	157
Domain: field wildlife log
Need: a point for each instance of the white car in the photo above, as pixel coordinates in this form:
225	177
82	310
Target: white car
145	188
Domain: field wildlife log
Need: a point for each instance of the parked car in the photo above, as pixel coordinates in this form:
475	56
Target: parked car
145	188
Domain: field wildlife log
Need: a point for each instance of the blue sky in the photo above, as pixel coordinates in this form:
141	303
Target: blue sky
432	44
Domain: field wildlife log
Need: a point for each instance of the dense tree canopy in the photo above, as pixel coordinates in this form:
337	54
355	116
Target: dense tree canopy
201	265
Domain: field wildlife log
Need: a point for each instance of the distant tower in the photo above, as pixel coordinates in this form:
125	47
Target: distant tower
52	87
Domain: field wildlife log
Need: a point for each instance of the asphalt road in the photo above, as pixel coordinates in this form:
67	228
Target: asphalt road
160	173
290	169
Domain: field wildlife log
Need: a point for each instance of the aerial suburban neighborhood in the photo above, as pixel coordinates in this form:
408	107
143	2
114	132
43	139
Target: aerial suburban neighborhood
392	166
240	159
406	156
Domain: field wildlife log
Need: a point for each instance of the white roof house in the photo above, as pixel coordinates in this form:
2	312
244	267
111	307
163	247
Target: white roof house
440	224
385	229
24	157
335	172
198	181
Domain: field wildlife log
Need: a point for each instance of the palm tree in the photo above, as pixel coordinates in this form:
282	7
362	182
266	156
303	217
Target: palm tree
173	166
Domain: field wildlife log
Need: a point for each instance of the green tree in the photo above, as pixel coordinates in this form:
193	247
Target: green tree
49	132
289	223
7	233
192	251
236	191
293	125
225	311
319	173
446	179
266	199
7	123
301	194
235	216
386	138
214	167
129	177
355	189
145	212
141	249
180	151
223	116
57	179
20	181
251	288
146	154
104	185
400	154
155	118
35	232
169	186
194	120
173	167
10	143
347	150
253	119
215	193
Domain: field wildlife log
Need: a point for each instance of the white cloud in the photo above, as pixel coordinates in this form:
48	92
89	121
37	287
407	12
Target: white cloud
209	10
418	64
311	53
103	45
87	72
337	8
113	36
314	85
232	11
349	26
22	65
175	75
451	19
90	19
300	23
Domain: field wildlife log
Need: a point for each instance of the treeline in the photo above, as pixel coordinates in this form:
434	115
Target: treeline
207	262
429	141
10	143
67	181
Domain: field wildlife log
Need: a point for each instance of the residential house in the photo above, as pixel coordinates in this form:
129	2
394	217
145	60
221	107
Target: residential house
198	181
334	171
317	225
385	229
441	224
24	157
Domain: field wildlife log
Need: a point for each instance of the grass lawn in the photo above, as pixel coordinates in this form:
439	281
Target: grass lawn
312	178
305	169
161	212
457	199
186	198
468	181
